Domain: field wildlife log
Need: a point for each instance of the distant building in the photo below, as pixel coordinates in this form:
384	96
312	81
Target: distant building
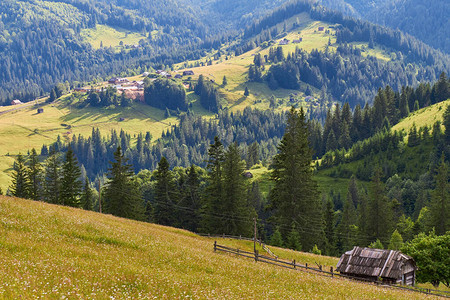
248	175
16	102
321	28
116	80
178	76
40	110
145	74
389	265
284	42
188	73
297	41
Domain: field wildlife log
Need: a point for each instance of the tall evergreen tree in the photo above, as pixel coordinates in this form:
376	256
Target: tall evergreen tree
295	196
440	205
191	199
52	186
380	214
235	204
20	186
165	195
212	222
328	216
70	182
87	201
34	171
121	194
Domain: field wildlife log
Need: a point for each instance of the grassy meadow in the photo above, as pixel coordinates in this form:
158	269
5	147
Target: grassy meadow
110	37
54	252
24	129
426	116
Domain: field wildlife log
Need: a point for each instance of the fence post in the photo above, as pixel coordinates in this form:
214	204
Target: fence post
331	270
320	267
240	237
215	246
256	255
223	235
306	265
293	262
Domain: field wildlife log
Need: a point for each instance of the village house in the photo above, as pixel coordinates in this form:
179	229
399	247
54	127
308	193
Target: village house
372	264
178	76
321	28
284	42
16	102
188	73
297	41
116	80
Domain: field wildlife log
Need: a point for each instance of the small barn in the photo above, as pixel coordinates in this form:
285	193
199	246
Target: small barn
321	28
40	110
16	102
371	264
188	73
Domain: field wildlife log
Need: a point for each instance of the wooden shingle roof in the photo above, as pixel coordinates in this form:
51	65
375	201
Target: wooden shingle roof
373	262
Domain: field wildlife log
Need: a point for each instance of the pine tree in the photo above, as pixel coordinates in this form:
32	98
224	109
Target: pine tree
446	123
52	186
235	202
121	194
440	203
246	92
189	219
328	216
70	182
87	196
396	242
295	196
34	171
293	239
212	222
20	186
376	245
380	214
165	195
276	239
224	81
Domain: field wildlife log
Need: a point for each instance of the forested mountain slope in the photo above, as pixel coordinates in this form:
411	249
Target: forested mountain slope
426	20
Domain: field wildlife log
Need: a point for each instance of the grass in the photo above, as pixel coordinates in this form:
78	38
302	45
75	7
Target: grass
53	252
423	117
24	129
110	37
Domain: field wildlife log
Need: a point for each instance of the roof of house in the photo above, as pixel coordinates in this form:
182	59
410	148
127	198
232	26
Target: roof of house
373	262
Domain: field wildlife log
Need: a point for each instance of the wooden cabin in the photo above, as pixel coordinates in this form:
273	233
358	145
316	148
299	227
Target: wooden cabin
371	264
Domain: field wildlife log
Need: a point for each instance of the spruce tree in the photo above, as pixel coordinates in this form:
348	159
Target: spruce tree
396	242
70	181
440	203
121	194
87	196
293	239
379	217
276	239
235	204
328	215
446	123
190	218
165	195
52	186
34	171
212	222
295	196
246	92
20	186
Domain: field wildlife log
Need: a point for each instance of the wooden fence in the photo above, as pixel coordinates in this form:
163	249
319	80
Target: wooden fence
331	273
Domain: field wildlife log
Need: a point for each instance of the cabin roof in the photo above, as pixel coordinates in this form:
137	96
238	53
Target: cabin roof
373	262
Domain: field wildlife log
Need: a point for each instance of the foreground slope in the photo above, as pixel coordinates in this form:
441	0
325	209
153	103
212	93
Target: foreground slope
50	251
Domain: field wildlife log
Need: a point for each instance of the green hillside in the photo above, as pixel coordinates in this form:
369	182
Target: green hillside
424	117
57	252
24	128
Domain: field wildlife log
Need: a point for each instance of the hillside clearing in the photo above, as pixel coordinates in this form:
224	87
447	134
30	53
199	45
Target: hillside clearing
110	37
53	252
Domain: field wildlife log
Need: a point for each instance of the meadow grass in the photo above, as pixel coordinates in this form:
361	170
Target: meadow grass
109	36
48	251
25	129
423	117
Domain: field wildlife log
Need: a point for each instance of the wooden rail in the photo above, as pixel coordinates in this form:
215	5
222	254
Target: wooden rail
332	273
